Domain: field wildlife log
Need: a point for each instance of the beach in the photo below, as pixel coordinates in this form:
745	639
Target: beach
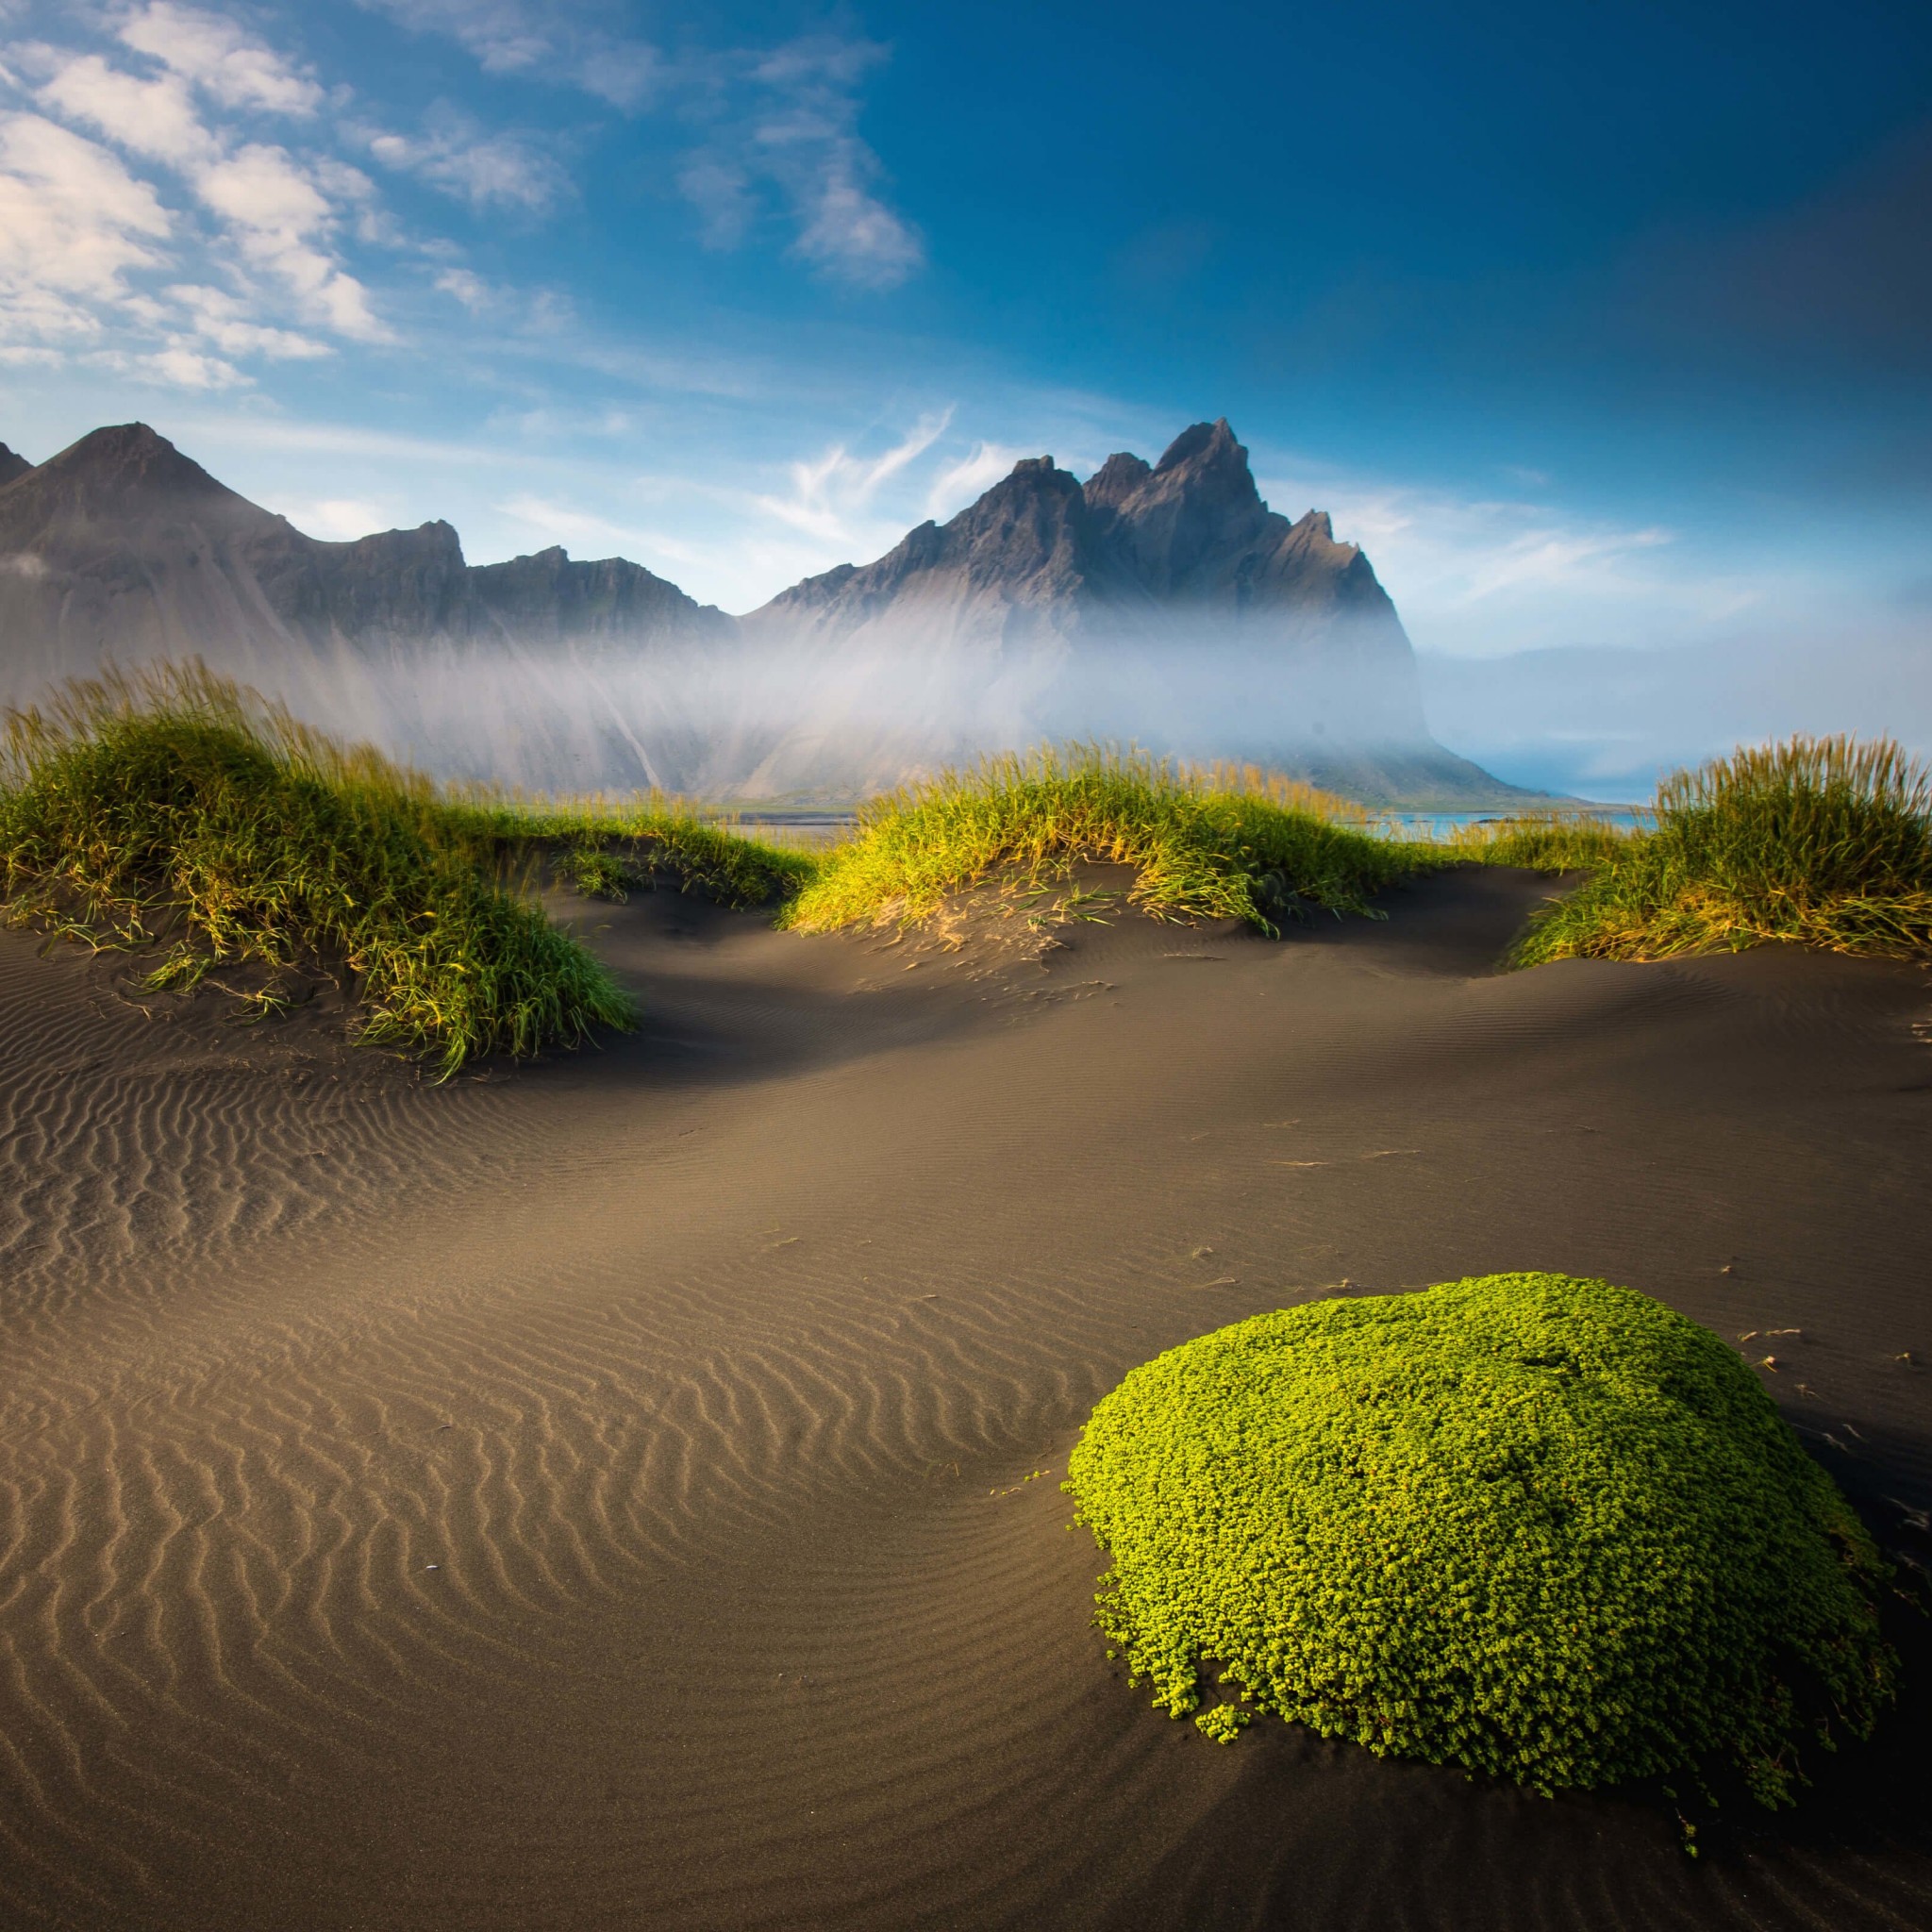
622	1490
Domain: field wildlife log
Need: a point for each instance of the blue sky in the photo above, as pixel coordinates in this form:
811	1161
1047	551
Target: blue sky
1603	329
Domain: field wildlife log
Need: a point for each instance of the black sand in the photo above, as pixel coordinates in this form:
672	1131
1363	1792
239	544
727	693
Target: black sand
707	1368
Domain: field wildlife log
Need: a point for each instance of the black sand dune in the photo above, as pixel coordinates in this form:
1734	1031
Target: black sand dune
708	1370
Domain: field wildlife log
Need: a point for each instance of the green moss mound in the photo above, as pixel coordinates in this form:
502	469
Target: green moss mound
1533	1525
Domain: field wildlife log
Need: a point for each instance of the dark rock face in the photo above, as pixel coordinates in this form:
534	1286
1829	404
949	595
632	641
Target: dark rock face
1164	603
122	546
1154	598
1142	544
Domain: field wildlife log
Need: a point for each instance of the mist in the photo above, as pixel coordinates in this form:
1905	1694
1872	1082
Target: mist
785	719
1606	723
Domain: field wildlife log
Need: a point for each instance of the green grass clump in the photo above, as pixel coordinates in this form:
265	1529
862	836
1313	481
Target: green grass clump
1543	841
179	807
607	848
1820	841
1533	1525
1203	845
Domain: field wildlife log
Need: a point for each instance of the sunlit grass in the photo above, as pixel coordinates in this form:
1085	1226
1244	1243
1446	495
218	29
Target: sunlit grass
180	812
1819	841
1541	841
177	811
1224	843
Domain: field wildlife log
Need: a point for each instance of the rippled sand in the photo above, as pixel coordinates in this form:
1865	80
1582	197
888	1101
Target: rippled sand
594	1495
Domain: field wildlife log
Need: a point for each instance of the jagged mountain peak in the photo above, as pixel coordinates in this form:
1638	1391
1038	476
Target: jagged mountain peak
1115	479
129	470
12	465
1207	445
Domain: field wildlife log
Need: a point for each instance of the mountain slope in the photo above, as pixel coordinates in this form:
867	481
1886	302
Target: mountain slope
1165	603
122	546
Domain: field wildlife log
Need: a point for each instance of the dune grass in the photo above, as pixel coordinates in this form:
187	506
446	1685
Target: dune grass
1540	842
1538	1526
1818	842
176	808
1224	843
178	811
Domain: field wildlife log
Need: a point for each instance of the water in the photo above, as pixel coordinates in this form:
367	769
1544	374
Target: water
1441	825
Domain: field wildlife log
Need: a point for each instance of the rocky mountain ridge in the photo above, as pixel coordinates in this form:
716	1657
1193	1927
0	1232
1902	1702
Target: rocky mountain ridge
1154	598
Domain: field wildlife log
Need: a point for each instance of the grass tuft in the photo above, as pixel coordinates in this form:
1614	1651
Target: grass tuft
1541	841
177	809
1820	841
1537	1526
1223	843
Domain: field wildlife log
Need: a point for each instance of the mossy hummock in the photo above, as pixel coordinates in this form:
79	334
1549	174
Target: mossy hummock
1534	1525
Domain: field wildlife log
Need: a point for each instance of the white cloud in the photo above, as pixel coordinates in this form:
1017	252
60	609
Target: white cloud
182	366
552	44
967	480
797	135
471	290
830	493
280	214
280	220
500	170
153	118
73	224
223	319
218	55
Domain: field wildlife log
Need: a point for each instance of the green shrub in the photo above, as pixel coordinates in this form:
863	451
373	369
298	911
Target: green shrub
179	807
1225	844
1824	843
1533	1525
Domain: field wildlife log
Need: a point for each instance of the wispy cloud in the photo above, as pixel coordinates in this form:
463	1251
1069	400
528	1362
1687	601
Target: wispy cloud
453	153
570	46
587	532
961	483
1486	576
781	125
832	493
790	128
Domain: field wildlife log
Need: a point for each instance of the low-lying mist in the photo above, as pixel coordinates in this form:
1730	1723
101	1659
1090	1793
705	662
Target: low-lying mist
774	720
1608	723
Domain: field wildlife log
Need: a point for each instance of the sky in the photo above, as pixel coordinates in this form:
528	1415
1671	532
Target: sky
1607	331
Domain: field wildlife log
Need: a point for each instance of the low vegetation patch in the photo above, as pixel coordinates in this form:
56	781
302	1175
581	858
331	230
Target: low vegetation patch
1821	841
1533	1525
1543	841
1203	846
179	811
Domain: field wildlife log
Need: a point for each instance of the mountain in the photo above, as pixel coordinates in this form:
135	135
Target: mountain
1165	603
122	546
